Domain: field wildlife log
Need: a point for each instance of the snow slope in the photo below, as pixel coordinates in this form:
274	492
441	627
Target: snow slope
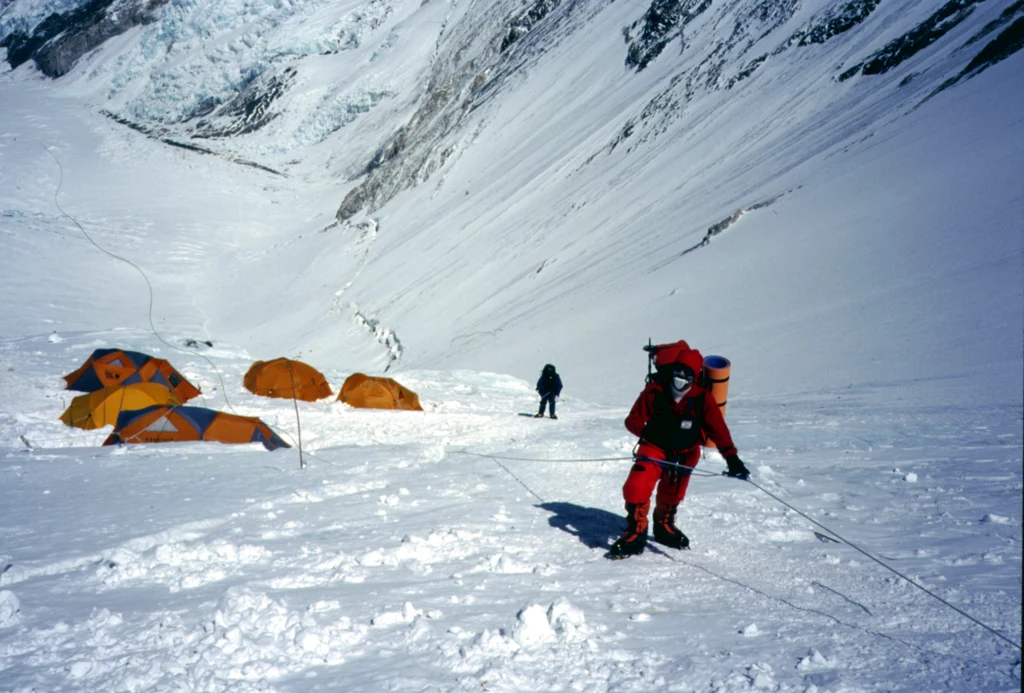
437	551
592	178
872	308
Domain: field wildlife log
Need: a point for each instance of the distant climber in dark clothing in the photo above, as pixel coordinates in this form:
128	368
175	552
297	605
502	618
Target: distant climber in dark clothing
549	387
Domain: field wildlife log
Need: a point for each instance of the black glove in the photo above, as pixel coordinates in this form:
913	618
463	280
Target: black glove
737	469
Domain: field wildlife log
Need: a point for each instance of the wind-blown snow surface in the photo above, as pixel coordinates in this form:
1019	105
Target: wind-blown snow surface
405	558
873	312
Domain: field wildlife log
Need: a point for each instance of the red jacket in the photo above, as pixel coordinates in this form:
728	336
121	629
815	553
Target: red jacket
697	405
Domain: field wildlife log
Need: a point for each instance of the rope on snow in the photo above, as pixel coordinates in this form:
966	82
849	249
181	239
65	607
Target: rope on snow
537	459
138	269
849	543
838	538
149	286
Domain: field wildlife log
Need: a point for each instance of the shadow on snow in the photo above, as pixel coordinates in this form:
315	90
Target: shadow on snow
593	526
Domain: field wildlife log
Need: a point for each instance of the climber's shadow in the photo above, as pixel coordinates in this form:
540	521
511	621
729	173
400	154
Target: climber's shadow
593	526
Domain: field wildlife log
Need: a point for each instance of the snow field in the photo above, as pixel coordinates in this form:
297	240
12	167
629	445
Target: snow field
404	548
872	313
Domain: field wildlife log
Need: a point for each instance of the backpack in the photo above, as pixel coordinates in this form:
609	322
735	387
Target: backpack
661	358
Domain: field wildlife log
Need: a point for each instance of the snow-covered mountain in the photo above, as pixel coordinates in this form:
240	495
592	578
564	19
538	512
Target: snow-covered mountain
827	192
595	142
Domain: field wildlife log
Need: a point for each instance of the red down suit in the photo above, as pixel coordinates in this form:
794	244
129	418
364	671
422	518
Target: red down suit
672	432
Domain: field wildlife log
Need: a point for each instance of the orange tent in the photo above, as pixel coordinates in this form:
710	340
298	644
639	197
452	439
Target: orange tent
113	367
368	392
286	378
176	424
102	407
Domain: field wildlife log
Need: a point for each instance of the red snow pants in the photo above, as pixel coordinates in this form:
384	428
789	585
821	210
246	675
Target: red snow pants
647	472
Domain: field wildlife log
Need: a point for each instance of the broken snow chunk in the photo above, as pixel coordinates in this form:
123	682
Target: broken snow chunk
9	608
533	626
371	558
390	618
815	660
79	669
308	640
564	617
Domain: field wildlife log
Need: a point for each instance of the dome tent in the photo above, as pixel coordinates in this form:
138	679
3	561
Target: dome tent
180	424
288	379
102	407
367	392
113	367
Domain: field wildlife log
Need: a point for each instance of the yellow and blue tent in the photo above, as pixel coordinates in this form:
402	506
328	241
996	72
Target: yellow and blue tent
102	407
113	367
180	424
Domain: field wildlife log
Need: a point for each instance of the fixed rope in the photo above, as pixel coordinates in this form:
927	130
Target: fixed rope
149	287
538	459
838	538
138	269
849	543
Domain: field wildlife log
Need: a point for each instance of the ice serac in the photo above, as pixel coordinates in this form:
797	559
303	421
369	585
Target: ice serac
57	43
465	56
249	110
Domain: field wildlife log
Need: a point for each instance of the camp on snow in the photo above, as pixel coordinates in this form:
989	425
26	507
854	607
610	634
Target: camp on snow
288	379
102	407
164	424
113	367
368	392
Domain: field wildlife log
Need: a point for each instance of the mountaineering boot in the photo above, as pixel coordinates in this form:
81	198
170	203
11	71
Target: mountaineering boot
539	416
553	416
665	530
634	539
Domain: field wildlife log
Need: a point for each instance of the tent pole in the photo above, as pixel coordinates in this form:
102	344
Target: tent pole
298	425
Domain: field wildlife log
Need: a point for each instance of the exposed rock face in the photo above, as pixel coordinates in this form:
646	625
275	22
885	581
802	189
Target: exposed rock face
459	85
249	110
462	67
663	21
520	25
1009	40
913	42
835	21
61	39
698	46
